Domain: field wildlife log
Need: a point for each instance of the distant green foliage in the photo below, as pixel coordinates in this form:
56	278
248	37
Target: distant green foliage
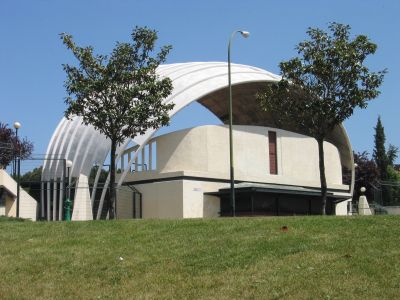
93	173
393	175
321	88
33	176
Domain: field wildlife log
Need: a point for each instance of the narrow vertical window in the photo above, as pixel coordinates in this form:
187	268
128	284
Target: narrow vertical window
273	159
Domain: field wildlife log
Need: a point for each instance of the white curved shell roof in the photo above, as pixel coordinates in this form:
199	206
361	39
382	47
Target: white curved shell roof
84	146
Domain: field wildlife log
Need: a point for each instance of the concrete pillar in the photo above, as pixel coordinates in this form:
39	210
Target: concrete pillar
82	204
150	156
143	158
363	207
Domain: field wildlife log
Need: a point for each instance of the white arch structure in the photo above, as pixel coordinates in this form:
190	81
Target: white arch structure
205	82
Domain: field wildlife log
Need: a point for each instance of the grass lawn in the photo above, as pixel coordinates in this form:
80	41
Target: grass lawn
317	258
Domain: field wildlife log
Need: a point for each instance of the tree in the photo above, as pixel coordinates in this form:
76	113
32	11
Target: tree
366	174
93	173
12	146
383	159
121	94
392	154
33	176
379	153
321	88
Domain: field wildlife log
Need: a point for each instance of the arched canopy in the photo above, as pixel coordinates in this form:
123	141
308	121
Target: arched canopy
205	82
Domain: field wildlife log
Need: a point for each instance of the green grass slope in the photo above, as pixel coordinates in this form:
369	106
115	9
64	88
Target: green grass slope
317	258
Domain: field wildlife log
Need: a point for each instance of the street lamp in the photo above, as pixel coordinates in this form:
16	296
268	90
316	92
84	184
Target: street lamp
17	125
69	165
245	34
17	163
68	202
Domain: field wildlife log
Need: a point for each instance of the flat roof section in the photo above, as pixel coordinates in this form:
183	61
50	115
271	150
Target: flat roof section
247	187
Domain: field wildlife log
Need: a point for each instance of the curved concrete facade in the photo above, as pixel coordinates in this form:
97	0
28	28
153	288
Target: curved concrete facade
205	82
190	164
204	150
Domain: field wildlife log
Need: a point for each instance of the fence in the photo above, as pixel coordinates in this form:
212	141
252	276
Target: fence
51	194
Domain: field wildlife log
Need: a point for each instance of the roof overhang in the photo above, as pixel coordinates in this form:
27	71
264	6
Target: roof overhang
279	189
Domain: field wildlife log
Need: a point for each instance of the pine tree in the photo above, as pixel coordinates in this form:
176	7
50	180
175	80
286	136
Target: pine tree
380	155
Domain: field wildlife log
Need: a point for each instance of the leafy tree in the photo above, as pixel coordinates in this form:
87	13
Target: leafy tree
93	173
392	154
120	94
11	146
321	88
366	174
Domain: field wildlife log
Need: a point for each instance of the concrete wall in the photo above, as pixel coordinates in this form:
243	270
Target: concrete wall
173	199
206	149
124	203
204	152
10	208
162	199
341	208
27	205
393	210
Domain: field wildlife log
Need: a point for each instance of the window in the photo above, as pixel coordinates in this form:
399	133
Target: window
273	159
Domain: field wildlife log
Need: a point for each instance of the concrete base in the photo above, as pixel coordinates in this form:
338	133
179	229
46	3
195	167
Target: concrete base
363	207
82	204
341	208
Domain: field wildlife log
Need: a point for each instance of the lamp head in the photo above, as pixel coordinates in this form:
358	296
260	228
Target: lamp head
17	125
69	163
245	34
363	189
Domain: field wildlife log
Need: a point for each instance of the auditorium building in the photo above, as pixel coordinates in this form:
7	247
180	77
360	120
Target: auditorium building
185	174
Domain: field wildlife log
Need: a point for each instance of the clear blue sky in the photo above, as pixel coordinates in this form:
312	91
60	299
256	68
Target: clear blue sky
31	53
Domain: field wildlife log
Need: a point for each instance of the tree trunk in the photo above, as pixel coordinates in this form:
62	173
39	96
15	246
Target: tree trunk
322	174
111	202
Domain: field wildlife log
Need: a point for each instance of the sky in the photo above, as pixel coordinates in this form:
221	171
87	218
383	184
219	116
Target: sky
31	52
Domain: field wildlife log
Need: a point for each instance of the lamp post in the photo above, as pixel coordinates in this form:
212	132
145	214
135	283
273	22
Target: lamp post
245	34
68	203
17	125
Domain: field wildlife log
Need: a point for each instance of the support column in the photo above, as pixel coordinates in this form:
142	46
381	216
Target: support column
150	156
42	200
143	157
55	185
48	200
